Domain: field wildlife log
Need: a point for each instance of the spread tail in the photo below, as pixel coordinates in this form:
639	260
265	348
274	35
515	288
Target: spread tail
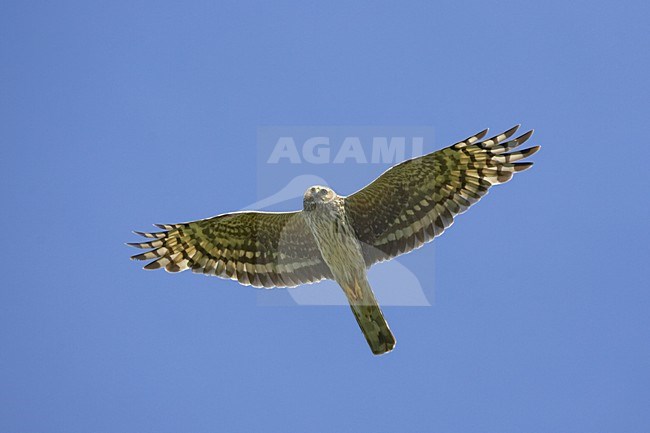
370	318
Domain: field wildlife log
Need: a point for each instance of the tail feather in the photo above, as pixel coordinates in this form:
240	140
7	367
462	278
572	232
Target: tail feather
370	318
374	328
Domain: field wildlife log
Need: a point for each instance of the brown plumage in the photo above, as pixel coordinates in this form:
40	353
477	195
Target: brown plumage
337	237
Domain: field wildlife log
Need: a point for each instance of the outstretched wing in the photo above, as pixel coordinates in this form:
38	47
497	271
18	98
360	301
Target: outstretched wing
262	249
416	200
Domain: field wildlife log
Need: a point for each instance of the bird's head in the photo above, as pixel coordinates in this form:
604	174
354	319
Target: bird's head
317	196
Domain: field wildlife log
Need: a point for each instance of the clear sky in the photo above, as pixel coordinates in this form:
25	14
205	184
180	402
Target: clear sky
115	115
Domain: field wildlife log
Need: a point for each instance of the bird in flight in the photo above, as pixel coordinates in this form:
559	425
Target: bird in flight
339	237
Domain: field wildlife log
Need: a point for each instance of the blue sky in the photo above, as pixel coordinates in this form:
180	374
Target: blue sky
115	115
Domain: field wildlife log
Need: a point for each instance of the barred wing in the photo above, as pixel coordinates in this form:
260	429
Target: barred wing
416	200
262	249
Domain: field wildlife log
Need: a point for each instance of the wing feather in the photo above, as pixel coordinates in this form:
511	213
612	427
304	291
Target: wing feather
262	249
415	201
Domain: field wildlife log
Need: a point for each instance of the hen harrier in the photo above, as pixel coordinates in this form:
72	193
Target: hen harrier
339	237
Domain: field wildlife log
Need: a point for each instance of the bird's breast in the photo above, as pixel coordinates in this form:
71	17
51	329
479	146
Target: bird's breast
337	243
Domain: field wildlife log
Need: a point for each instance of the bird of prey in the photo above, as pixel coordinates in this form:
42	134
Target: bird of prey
340	237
